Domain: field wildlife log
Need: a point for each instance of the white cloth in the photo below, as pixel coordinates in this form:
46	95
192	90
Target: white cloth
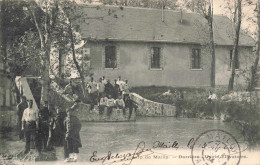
93	86
120	102
30	114
103	101
110	102
213	97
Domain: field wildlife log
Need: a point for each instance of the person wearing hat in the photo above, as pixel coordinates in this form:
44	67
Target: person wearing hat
72	136
30	124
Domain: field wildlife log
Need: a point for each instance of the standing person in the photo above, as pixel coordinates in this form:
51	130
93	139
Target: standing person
72	136
119	81
125	89
44	116
109	89
212	99
51	132
20	109
100	88
116	90
129	103
30	124
58	127
104	80
93	93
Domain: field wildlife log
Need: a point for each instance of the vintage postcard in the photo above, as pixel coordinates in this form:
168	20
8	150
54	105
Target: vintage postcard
120	82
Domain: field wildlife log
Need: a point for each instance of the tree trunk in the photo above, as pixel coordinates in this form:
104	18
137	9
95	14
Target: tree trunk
45	75
75	60
45	57
235	46
3	38
252	83
209	17
212	49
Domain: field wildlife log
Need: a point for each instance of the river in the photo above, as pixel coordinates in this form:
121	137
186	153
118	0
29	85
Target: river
124	136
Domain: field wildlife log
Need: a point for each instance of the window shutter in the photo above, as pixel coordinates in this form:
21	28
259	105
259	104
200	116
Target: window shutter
201	59
117	57
161	59
103	57
150	50
191	59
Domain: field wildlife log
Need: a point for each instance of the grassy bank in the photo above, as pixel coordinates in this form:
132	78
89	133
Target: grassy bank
193	103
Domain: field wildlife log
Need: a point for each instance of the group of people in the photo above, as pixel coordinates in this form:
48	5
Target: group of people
108	95
105	94
46	128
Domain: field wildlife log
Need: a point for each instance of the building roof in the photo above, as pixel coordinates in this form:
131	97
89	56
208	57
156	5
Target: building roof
142	24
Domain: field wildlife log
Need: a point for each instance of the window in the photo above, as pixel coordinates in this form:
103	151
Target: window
156	58
110	57
230	60
195	59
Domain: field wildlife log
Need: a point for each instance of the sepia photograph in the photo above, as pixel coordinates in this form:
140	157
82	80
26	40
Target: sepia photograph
130	82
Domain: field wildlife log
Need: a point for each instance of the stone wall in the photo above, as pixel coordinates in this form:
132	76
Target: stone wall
84	114
151	108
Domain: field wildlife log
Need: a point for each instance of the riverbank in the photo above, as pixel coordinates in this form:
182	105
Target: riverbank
239	107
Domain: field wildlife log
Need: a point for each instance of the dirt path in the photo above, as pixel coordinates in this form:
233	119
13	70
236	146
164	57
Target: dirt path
12	151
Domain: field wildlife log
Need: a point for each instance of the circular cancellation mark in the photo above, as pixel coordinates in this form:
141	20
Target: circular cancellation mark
216	146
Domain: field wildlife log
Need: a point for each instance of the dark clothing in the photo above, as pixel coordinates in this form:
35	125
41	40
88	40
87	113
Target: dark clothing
129	103
31	135
58	130
94	99
44	116
116	91
101	109
109	89
20	108
73	142
51	133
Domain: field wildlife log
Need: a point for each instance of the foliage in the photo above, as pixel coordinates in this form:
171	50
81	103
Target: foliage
169	4
194	104
20	40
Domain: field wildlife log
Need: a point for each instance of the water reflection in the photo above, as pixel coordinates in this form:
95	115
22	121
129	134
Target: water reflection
123	136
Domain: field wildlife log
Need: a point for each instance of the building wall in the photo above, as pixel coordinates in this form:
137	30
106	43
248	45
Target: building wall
134	59
223	71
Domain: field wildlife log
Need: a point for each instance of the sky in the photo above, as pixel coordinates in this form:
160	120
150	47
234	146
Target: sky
248	14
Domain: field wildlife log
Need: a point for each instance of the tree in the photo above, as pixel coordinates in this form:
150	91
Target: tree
237	21
205	8
45	25
18	42
70	11
253	79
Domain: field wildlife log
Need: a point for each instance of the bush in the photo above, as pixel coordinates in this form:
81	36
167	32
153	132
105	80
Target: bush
193	104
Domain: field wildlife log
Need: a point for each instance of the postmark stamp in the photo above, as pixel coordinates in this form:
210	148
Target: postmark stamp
216	146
